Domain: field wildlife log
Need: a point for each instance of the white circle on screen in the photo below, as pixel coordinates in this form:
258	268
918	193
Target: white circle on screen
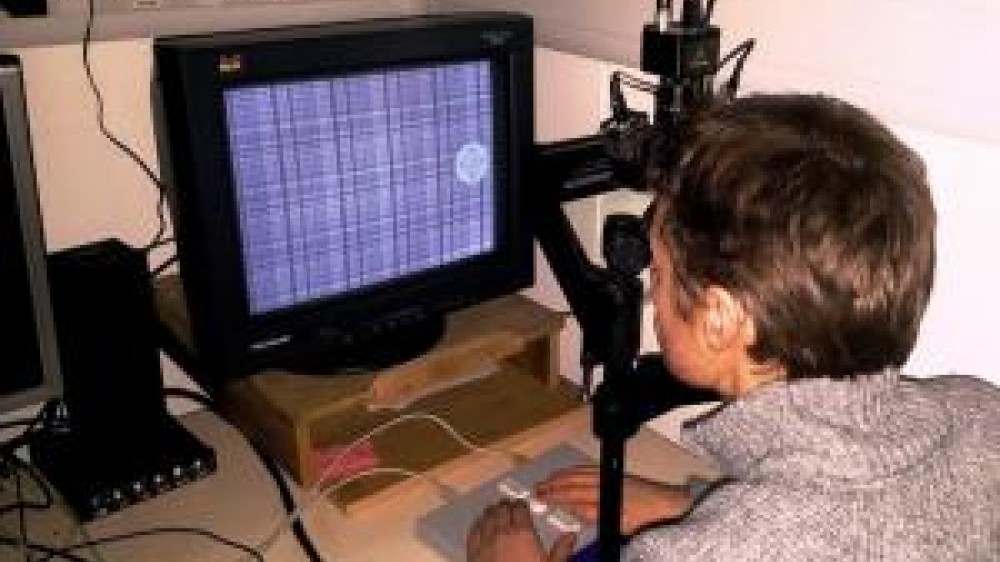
472	163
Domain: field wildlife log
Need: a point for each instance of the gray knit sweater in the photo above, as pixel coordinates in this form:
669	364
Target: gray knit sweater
881	468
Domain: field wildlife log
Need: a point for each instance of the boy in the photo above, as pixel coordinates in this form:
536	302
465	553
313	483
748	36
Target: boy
793	257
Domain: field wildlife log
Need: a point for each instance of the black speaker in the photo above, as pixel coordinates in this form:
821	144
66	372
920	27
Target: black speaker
117	444
106	329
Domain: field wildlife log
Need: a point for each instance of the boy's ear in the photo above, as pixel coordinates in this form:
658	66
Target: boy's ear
723	320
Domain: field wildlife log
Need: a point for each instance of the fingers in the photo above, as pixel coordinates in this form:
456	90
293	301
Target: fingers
520	516
562	549
476	541
581	500
499	517
480	543
585	476
585	512
570	492
474	544
584	471
576	489
504	529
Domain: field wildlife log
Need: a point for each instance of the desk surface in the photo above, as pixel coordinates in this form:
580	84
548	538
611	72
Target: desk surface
240	502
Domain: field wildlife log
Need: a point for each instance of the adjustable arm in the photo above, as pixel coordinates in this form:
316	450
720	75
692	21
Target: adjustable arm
608	302
566	171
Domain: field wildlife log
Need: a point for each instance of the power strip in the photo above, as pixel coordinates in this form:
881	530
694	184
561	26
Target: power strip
97	478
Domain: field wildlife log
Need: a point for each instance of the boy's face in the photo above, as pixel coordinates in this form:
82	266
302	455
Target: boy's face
675	333
697	349
708	347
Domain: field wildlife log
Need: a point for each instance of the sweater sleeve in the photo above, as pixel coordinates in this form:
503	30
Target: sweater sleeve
740	522
673	543
689	539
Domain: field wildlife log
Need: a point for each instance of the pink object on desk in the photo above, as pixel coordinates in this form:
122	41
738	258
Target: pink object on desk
333	464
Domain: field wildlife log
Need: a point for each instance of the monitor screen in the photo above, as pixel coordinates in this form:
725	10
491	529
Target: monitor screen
28	365
338	189
346	182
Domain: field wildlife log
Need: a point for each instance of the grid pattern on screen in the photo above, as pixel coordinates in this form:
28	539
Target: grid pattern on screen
346	182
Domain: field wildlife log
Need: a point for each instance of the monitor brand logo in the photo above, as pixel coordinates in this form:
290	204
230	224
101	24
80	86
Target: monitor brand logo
496	37
229	64
270	343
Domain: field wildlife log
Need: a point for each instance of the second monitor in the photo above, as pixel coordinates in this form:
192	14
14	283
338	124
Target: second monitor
337	189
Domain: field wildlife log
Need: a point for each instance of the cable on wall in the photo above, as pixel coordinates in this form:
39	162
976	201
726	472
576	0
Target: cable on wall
160	237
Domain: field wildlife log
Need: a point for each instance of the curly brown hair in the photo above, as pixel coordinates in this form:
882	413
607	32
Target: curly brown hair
816	217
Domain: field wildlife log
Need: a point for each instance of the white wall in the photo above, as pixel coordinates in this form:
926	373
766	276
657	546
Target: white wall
960	328
920	63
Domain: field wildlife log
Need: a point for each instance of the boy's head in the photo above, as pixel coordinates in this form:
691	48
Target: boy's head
814	219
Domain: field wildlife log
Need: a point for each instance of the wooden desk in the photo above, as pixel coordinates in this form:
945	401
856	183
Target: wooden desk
239	502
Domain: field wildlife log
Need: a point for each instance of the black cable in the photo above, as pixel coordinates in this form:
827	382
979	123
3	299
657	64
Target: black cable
152	532
14	443
161	228
742	51
51	551
159	239
163	266
662	5
20	505
287	500
47	498
618	104
298	528
44	414
9	456
22	522
163	242
709	10
9	424
196	397
635	82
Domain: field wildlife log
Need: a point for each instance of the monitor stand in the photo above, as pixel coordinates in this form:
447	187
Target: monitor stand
380	346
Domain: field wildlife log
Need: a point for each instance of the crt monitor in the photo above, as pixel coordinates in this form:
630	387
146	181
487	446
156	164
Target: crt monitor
29	369
337	189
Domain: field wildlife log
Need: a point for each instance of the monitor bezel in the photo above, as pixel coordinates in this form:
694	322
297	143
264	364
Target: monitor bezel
14	125
193	72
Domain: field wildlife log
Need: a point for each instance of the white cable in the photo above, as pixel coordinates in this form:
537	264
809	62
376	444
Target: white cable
461	439
317	490
305	506
336	486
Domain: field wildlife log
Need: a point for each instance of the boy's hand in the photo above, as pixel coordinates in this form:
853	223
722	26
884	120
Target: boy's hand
505	533
577	489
